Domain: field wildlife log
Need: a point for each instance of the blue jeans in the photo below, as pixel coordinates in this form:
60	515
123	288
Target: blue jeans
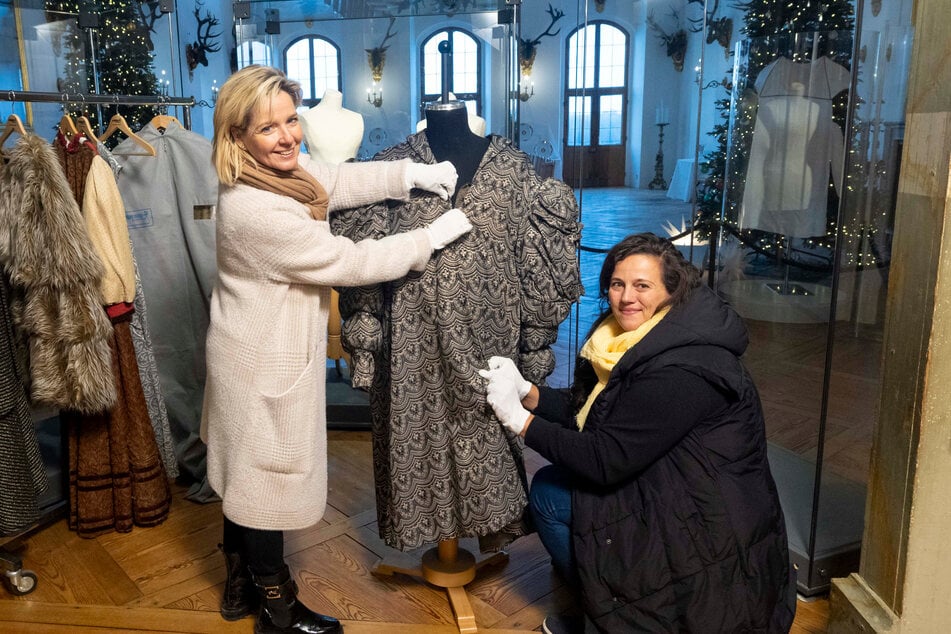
550	502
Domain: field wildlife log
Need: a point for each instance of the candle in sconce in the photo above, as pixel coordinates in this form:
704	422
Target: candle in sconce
663	114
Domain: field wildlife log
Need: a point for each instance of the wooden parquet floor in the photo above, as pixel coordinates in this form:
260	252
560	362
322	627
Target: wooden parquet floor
169	578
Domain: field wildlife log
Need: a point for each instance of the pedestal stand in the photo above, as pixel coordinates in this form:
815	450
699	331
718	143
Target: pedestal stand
786	287
659	182
449	567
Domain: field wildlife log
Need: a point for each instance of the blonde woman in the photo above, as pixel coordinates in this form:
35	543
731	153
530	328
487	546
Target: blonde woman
264	409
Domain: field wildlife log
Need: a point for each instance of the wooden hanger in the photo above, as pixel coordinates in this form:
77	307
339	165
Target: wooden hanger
67	126
13	124
161	121
85	127
118	124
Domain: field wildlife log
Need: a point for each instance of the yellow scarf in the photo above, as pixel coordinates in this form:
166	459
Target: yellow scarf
604	349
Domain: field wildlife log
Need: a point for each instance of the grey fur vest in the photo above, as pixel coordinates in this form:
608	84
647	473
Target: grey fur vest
54	273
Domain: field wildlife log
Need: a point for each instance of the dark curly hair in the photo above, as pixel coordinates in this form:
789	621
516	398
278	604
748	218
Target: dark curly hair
680	279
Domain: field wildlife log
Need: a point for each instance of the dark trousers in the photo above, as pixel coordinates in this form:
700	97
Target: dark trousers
262	550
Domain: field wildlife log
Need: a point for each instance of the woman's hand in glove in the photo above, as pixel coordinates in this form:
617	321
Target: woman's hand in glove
506	368
439	179
447	227
501	394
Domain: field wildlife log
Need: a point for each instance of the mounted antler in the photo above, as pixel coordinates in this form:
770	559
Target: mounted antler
149	14
719	30
675	41
196	53
528	48
376	56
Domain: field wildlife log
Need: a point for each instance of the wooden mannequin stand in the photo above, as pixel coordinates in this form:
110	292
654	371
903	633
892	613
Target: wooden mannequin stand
450	567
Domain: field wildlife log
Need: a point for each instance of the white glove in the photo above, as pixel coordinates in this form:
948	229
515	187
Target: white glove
508	370
447	227
439	178
502	395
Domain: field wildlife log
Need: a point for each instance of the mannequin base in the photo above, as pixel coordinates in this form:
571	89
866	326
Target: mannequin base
447	566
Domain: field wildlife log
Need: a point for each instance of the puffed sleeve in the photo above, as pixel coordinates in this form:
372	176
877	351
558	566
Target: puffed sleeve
548	272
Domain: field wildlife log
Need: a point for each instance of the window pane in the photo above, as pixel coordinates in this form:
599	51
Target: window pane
325	68
579	121
609	128
298	65
432	81
613	49
465	64
581	45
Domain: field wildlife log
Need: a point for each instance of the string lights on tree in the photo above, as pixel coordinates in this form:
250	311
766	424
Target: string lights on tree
108	50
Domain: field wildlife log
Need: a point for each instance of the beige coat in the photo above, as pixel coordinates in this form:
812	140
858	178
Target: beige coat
264	414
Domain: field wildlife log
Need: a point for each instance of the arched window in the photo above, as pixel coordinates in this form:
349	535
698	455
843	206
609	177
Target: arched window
465	69
252	52
315	63
596	116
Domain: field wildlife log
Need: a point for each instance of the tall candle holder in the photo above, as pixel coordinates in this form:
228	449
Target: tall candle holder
659	182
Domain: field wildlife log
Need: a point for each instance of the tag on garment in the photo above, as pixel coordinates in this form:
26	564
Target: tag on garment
204	212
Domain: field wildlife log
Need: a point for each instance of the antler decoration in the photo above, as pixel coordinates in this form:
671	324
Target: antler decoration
149	14
675	41
197	52
528	48
376	57
719	30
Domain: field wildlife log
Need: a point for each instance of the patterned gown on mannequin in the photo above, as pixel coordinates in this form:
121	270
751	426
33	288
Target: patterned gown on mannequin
443	465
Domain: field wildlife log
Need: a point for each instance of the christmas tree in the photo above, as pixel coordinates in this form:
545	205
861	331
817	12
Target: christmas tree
119	60
771	27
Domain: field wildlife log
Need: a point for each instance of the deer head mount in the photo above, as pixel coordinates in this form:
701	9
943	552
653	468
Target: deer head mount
528	48
675	41
197	52
719	30
376	56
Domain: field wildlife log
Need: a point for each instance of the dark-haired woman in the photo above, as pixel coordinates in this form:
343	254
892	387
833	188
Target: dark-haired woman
659	505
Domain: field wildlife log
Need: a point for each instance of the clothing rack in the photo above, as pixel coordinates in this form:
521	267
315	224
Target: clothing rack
126	100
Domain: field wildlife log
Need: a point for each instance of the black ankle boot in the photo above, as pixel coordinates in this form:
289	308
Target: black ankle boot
240	598
281	611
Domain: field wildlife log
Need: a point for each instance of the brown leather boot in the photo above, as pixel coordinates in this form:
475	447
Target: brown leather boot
240	598
281	612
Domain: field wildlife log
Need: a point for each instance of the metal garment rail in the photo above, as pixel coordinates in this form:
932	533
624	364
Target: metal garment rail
126	100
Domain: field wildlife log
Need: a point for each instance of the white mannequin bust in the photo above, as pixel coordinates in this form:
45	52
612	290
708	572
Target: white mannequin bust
333	133
476	123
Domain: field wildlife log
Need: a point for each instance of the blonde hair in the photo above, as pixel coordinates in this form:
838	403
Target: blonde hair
239	98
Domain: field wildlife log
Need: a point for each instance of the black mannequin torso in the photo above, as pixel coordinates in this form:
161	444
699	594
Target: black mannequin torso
450	139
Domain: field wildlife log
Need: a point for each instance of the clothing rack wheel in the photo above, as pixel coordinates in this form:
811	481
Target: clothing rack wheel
450	567
17	580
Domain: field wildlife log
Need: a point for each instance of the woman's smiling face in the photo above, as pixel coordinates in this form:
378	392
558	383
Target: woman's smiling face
275	134
637	290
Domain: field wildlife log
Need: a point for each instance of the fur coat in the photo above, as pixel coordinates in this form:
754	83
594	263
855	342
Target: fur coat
55	277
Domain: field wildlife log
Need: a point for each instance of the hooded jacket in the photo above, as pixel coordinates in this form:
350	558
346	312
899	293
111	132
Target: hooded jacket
676	521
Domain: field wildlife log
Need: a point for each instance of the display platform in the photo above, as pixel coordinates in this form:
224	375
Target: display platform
347	408
840	520
759	299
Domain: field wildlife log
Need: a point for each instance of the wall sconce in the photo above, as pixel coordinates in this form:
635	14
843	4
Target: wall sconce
526	89
376	57
375	95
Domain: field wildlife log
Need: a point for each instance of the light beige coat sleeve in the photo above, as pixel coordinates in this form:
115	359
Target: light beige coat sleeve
104	214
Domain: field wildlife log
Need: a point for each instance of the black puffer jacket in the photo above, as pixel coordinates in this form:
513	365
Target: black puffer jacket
676	520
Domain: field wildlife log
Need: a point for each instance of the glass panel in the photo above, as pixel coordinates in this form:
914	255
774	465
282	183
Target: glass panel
609	129
465	64
613	55
298	65
581	58
432	81
325	68
579	120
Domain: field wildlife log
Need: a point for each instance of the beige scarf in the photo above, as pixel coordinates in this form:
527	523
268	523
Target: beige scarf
298	184
604	349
